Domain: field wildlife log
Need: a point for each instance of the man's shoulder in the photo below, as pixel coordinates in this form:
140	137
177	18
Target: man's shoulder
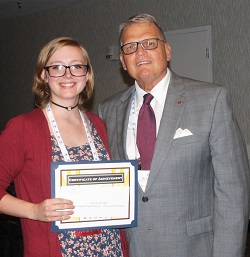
193	87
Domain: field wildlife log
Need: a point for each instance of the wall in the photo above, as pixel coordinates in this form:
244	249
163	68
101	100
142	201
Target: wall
95	23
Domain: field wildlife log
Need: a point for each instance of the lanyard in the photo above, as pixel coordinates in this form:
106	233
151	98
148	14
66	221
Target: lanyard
58	137
133	115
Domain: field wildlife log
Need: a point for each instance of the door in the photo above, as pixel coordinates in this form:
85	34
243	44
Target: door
191	52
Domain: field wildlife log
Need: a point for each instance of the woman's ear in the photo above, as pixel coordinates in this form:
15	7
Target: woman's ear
44	76
87	76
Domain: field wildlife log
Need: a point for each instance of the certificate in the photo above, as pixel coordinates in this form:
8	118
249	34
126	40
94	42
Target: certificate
104	193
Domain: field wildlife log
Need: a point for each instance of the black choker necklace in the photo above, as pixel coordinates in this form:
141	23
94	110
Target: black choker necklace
69	108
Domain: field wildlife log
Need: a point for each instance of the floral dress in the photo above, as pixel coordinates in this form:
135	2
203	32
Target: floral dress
73	244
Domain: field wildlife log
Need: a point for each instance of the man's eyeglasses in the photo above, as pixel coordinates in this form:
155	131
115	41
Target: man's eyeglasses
77	70
146	44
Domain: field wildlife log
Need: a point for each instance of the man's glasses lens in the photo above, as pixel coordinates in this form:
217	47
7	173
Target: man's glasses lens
146	44
77	70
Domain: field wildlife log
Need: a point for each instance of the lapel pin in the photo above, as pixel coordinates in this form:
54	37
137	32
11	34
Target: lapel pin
179	102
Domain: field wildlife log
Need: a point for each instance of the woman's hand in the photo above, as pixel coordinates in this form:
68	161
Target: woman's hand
54	209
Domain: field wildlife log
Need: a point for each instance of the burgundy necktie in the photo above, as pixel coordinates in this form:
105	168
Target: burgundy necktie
146	133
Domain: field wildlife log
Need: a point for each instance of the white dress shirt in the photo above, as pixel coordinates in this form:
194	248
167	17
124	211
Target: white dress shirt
159	92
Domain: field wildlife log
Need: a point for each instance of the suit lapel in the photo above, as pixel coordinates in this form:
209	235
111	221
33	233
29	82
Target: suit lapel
173	109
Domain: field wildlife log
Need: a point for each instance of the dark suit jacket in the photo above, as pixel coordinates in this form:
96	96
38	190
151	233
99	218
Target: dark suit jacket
198	188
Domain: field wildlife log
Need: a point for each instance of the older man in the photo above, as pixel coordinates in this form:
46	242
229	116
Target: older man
194	177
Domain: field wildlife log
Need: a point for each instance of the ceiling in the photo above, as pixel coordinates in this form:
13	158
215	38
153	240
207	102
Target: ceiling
10	9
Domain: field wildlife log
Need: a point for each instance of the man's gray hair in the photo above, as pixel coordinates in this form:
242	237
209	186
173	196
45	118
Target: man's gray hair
141	18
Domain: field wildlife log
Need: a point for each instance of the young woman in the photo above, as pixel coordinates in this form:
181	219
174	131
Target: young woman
55	131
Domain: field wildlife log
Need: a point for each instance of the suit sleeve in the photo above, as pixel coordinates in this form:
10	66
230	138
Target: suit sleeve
231	181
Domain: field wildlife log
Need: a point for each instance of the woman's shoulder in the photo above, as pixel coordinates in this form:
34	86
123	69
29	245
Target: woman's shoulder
95	118
36	113
25	121
98	123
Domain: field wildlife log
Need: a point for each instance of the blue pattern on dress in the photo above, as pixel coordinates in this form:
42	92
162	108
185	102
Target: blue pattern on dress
108	242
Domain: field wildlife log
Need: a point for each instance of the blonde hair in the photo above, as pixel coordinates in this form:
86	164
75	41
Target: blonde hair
41	89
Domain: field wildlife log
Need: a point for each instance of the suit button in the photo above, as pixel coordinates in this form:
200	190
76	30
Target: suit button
144	198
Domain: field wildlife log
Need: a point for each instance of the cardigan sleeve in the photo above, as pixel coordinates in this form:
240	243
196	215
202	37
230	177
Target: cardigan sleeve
25	147
12	145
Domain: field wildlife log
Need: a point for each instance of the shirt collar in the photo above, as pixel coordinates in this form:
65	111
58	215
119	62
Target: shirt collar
159	91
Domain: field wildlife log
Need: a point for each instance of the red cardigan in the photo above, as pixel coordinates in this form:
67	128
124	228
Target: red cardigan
25	151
